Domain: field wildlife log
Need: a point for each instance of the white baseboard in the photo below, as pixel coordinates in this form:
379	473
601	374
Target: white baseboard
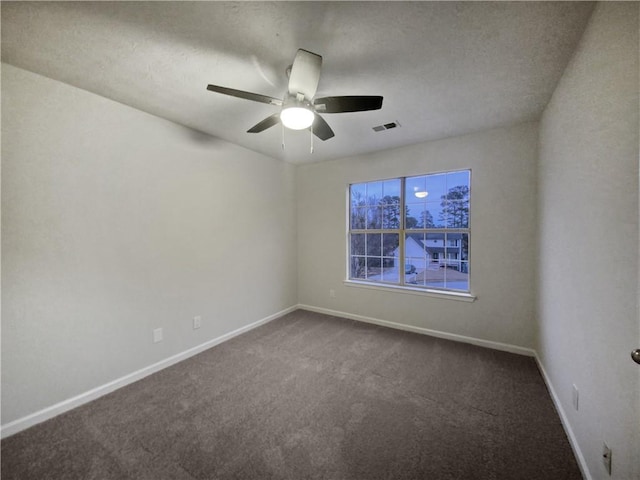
66	405
505	347
573	441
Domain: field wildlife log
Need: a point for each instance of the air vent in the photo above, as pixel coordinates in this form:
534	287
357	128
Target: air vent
386	126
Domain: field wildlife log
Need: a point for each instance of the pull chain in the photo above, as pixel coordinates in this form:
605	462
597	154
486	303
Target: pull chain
282	124
311	130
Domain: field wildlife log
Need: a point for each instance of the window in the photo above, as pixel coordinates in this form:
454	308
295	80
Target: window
411	231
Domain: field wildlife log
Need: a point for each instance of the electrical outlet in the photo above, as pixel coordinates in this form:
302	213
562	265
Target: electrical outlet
197	322
332	293
574	398
606	458
157	335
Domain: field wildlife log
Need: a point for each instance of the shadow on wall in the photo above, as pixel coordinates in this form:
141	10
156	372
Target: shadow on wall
201	138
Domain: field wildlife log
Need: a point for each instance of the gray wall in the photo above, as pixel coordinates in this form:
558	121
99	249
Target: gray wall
116	222
588	240
502	246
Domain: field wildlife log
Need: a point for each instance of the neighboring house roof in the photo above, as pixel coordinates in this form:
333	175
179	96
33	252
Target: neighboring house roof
418	240
418	237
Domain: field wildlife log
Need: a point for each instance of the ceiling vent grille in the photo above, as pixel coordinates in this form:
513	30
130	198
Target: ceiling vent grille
386	126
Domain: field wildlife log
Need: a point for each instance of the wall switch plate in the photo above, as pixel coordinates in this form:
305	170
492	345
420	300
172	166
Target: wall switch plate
574	398
606	458
157	335
197	322
332	293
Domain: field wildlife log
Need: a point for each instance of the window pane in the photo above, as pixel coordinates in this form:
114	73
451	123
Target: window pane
435	254
389	263
415	189
436	214
457	214
459	193
455	203
436	186
453	240
374	192
414	245
457	266
465	246
390	214
390	269
434	276
453	251
391	188
374	268
434	242
458	179
413	212
390	244
357	244
358	217
457	280
415	257
414	270
374	244
374	217
427	219
357	267
358	194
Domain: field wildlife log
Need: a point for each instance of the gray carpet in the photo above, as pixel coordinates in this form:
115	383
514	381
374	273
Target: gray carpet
310	396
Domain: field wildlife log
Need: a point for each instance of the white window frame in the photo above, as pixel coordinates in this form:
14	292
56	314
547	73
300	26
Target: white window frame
401	286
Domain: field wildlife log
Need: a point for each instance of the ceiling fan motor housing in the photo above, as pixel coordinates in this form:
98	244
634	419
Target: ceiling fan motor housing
291	101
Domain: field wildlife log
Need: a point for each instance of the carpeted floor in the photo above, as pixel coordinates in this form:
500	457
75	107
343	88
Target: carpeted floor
310	396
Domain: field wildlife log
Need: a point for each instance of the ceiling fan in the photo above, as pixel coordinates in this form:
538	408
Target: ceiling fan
299	108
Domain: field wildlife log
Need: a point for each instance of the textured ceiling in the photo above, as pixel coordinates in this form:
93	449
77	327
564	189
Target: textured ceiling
444	68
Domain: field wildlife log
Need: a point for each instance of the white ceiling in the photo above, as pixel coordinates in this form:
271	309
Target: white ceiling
444	68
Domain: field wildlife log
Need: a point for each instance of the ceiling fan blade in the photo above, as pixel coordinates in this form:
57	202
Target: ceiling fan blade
354	103
268	122
321	129
305	74
256	97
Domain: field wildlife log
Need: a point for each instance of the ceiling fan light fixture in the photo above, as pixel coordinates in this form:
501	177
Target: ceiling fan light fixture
296	118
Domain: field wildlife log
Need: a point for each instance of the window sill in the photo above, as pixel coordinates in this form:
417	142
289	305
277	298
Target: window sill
449	295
